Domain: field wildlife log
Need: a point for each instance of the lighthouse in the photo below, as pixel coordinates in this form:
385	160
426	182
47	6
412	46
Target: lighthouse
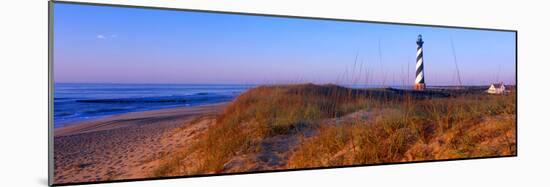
419	81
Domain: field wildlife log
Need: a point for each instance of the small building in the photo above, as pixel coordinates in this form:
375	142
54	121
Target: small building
497	88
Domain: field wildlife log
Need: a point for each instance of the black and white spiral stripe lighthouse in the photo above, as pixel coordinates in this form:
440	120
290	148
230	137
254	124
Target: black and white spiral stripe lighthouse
419	81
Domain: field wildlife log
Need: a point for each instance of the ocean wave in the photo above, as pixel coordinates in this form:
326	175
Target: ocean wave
63	114
106	110
62	98
199	97
136	100
75	102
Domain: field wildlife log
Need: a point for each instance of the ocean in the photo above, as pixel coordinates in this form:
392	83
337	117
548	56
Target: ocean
77	102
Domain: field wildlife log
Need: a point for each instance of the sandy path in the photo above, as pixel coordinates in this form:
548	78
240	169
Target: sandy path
120	147
276	151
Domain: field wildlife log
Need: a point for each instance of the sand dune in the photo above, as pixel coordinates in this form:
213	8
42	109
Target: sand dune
126	146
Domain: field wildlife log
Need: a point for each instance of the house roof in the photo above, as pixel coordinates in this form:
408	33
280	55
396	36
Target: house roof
497	85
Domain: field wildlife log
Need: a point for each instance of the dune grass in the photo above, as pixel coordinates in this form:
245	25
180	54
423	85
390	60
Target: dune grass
402	127
468	126
268	111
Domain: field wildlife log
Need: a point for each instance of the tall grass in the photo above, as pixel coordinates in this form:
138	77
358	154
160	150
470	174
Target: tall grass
268	111
400	127
473	125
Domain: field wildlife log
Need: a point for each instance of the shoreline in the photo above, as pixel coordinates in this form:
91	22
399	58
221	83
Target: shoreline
90	125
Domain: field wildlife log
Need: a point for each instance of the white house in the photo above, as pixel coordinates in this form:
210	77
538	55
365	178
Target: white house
497	88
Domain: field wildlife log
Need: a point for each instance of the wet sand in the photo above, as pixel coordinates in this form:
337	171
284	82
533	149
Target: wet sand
126	146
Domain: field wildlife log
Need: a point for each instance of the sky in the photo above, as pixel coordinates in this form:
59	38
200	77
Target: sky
101	44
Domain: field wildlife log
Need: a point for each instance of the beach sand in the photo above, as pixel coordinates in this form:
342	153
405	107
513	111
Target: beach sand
126	146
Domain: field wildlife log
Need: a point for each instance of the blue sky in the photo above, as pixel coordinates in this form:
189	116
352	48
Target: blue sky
100	44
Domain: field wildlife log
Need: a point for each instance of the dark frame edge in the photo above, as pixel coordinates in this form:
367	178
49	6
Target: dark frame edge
50	94
517	96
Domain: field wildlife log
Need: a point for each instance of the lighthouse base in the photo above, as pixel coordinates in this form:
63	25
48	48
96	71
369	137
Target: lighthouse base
419	86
